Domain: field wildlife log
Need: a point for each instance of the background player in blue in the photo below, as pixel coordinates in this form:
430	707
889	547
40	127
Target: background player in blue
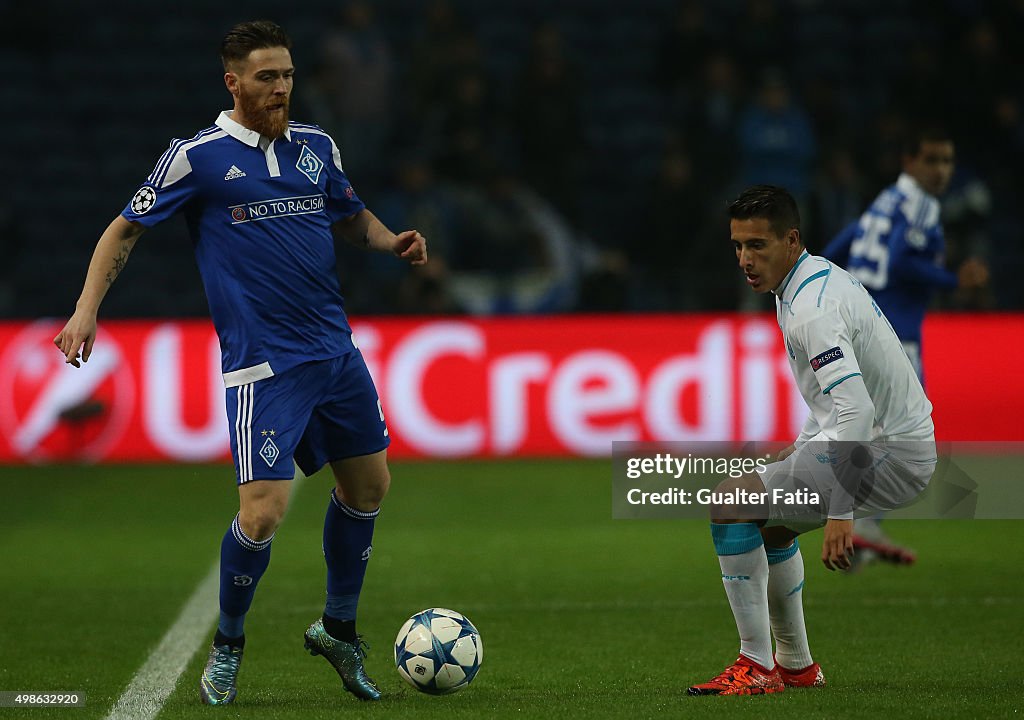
897	250
261	197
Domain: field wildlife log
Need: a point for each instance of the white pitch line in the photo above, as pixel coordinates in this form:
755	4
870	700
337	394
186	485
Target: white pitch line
156	679
154	682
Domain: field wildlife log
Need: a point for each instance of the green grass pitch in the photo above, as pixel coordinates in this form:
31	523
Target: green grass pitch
581	615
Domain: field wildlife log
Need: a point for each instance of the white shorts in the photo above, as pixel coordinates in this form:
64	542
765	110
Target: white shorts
889	475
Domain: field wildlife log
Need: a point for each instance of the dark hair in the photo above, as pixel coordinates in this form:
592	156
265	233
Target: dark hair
922	133
245	37
770	202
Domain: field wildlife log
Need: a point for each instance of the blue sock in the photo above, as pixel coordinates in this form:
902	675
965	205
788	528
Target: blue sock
242	563
348	542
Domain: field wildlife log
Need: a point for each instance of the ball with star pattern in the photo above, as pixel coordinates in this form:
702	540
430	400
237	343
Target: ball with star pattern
438	651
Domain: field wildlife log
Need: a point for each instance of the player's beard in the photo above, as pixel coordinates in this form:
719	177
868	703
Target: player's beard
269	122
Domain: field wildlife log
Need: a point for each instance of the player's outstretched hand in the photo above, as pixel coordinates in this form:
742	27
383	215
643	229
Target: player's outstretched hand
78	334
411	246
837	548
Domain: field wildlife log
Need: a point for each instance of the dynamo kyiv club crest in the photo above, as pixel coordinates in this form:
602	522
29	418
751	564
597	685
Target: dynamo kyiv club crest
309	164
269	452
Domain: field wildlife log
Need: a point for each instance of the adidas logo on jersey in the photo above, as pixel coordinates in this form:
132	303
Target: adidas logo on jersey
234	173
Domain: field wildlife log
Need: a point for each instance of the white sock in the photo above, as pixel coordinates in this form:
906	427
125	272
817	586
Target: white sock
786	608
745	578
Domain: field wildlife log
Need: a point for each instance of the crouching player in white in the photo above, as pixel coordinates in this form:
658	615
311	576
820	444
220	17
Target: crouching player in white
868	444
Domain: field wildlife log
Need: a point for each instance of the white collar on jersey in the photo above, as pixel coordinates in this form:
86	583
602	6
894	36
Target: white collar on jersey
241	133
792	274
909	186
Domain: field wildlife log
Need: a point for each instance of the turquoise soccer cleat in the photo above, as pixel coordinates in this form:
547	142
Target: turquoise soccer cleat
346	658
217	684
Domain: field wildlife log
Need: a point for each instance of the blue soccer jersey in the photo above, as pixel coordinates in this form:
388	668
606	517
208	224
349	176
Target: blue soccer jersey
259	213
896	251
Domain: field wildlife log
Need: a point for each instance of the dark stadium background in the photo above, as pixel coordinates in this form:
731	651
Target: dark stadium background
633	137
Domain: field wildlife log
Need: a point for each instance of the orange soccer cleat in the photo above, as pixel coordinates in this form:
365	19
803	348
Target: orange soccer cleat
744	677
810	676
883	549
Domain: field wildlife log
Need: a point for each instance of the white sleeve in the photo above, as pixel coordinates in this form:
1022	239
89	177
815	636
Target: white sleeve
855	412
809	430
855	416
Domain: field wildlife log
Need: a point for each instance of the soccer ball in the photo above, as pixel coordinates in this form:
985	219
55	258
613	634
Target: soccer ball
438	651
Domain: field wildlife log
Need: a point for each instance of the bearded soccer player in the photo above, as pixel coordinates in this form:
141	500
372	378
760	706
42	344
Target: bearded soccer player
262	197
868	413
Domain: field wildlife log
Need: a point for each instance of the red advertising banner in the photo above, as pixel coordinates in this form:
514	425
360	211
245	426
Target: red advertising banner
536	386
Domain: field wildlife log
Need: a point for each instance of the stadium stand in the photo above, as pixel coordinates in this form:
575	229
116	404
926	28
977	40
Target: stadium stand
96	91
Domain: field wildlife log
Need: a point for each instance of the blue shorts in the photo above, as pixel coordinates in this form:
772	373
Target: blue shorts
315	413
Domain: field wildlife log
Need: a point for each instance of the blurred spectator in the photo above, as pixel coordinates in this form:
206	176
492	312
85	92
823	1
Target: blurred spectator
761	35
823	103
683	49
11	248
1006	134
418	201
1001	165
712	126
515	253
884	137
467	129
922	80
444	48
358	66
837	199
672	268
776	138
966	215
314	100
548	121
980	72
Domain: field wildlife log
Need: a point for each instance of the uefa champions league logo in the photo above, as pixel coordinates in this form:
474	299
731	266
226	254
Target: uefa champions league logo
144	200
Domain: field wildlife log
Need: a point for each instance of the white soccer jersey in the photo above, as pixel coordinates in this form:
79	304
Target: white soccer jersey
834	331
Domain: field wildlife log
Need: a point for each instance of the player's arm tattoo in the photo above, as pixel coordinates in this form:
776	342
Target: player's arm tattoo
362	226
120	259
